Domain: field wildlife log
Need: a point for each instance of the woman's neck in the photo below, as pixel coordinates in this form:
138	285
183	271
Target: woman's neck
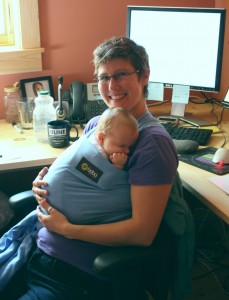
139	111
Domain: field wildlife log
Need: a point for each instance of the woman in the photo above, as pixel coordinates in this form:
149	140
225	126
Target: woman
122	72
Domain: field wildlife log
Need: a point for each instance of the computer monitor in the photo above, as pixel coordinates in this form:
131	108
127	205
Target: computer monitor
225	101
184	44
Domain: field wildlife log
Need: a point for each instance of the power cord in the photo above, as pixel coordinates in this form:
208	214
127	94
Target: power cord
204	100
214	102
224	287
212	249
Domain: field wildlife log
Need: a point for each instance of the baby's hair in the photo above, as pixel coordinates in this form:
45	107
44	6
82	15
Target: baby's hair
124	118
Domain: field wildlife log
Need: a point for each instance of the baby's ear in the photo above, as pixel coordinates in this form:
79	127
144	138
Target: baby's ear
100	137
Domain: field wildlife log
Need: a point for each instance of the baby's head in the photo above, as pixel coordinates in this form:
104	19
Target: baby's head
117	130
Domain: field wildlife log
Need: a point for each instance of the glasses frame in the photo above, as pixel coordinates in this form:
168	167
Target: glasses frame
115	76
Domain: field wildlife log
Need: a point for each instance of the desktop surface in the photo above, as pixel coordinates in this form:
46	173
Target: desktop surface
196	180
23	152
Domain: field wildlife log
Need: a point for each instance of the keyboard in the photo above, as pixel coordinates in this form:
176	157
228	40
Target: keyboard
199	135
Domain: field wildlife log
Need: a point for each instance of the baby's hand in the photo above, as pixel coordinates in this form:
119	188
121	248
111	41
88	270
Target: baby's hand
119	159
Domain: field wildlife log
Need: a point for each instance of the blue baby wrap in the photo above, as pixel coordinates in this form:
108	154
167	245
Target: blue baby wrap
86	187
16	246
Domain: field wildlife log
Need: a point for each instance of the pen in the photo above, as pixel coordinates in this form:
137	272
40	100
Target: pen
17	127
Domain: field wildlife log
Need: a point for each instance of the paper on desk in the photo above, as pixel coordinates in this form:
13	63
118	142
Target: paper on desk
178	109
180	93
222	182
155	91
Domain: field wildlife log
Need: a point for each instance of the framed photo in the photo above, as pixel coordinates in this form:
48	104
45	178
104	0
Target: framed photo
31	86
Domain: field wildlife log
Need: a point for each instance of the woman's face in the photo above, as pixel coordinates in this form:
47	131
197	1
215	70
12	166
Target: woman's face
126	92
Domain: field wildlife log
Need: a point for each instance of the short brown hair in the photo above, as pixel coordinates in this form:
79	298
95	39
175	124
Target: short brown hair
122	47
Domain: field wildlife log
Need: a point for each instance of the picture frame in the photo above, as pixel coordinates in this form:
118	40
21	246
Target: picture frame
31	86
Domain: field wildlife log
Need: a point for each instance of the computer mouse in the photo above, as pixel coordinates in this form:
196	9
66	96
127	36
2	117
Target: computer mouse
221	155
185	146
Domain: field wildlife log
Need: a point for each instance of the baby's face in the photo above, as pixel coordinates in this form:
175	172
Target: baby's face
119	141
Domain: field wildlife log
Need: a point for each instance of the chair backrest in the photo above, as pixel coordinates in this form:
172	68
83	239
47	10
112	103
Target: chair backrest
6	212
179	219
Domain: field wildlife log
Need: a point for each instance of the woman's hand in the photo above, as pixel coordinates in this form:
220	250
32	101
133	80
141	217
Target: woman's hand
54	220
39	193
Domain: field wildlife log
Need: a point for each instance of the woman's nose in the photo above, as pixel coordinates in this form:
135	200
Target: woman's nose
112	82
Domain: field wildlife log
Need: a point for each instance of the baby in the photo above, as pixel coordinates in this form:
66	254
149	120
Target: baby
88	181
116	132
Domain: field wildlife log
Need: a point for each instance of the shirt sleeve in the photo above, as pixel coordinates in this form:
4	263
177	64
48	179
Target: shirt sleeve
91	124
154	160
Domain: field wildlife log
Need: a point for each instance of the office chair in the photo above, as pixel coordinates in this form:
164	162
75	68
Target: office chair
6	212
132	269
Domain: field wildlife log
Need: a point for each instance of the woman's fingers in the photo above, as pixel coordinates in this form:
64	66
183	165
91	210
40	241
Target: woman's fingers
39	179
40	193
44	203
38	198
42	173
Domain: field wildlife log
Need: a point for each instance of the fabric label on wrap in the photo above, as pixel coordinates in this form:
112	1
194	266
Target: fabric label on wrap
86	168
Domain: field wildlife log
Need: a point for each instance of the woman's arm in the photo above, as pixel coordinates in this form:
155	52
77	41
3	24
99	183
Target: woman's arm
148	205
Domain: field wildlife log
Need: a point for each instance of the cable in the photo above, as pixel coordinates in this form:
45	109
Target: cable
158	103
205	96
206	273
212	271
211	250
213	102
225	139
206	219
202	101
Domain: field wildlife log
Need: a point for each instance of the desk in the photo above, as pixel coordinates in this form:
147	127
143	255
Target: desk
28	153
22	157
22	151
194	179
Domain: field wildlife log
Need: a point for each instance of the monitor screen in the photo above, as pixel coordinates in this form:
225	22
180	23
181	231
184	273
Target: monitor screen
185	45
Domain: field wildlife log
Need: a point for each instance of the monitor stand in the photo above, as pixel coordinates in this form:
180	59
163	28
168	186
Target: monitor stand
195	121
178	114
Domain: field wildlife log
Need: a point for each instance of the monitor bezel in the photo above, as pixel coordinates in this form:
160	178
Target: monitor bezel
220	11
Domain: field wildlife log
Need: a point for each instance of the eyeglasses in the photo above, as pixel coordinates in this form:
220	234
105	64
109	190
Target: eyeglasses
119	76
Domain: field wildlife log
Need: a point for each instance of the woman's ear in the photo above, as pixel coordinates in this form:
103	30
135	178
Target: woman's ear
147	73
100	137
145	77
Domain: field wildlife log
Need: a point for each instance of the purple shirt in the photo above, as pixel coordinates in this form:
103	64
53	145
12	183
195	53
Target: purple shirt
153	161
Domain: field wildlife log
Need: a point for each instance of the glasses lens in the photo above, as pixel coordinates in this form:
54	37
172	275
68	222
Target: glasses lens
103	78
121	75
118	76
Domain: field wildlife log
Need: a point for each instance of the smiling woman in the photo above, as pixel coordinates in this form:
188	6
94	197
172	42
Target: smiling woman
25	54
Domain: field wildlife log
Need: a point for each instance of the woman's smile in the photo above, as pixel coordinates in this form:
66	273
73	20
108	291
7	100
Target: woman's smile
118	97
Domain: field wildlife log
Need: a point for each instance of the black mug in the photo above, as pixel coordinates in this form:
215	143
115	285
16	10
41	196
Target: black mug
59	133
